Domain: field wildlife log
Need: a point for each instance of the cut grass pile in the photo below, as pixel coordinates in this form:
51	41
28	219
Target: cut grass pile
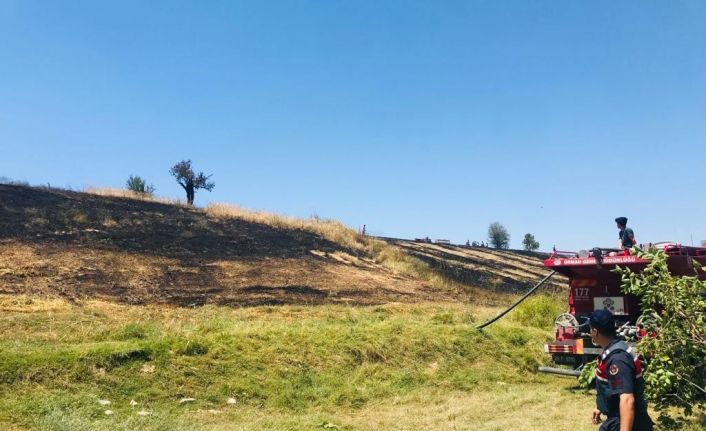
57	360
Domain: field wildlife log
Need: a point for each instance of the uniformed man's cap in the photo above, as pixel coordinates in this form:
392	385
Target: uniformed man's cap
603	320
622	220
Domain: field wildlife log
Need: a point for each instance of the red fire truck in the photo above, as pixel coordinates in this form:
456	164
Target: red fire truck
593	285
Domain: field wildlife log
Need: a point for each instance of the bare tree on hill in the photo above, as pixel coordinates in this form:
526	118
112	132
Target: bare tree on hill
189	180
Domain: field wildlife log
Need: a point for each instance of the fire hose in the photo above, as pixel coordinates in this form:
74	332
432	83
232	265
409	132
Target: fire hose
526	295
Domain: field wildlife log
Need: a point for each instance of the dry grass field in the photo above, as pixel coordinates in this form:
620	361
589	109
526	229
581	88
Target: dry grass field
106	244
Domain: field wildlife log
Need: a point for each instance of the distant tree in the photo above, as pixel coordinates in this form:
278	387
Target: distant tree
498	236
189	180
138	185
529	243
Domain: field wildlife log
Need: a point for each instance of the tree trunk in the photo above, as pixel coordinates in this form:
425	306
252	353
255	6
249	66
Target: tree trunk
190	193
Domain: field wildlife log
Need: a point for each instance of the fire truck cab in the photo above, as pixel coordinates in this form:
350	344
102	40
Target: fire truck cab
593	285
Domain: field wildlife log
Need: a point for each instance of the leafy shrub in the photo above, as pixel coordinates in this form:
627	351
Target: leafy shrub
538	311
676	373
138	185
588	375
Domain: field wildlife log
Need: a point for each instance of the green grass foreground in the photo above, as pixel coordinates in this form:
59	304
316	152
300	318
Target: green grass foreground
289	367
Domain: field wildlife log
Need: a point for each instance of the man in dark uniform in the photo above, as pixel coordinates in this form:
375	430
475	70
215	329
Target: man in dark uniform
626	235
619	381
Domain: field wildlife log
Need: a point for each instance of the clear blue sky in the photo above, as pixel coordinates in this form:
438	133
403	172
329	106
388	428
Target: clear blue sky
414	117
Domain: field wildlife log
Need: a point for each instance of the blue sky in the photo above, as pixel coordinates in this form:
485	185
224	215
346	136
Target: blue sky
414	117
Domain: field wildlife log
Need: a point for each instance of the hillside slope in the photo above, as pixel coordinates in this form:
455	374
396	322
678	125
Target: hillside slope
504	270
81	245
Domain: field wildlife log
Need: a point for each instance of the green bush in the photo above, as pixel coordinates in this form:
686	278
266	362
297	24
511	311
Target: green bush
675	377
138	185
538	311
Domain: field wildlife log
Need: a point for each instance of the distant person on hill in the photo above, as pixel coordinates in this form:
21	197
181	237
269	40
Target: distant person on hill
626	235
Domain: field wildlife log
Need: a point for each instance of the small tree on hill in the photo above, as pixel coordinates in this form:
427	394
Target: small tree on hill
498	235
529	243
189	180
138	185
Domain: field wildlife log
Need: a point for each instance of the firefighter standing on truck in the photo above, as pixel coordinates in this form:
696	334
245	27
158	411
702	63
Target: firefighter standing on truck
619	382
626	235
